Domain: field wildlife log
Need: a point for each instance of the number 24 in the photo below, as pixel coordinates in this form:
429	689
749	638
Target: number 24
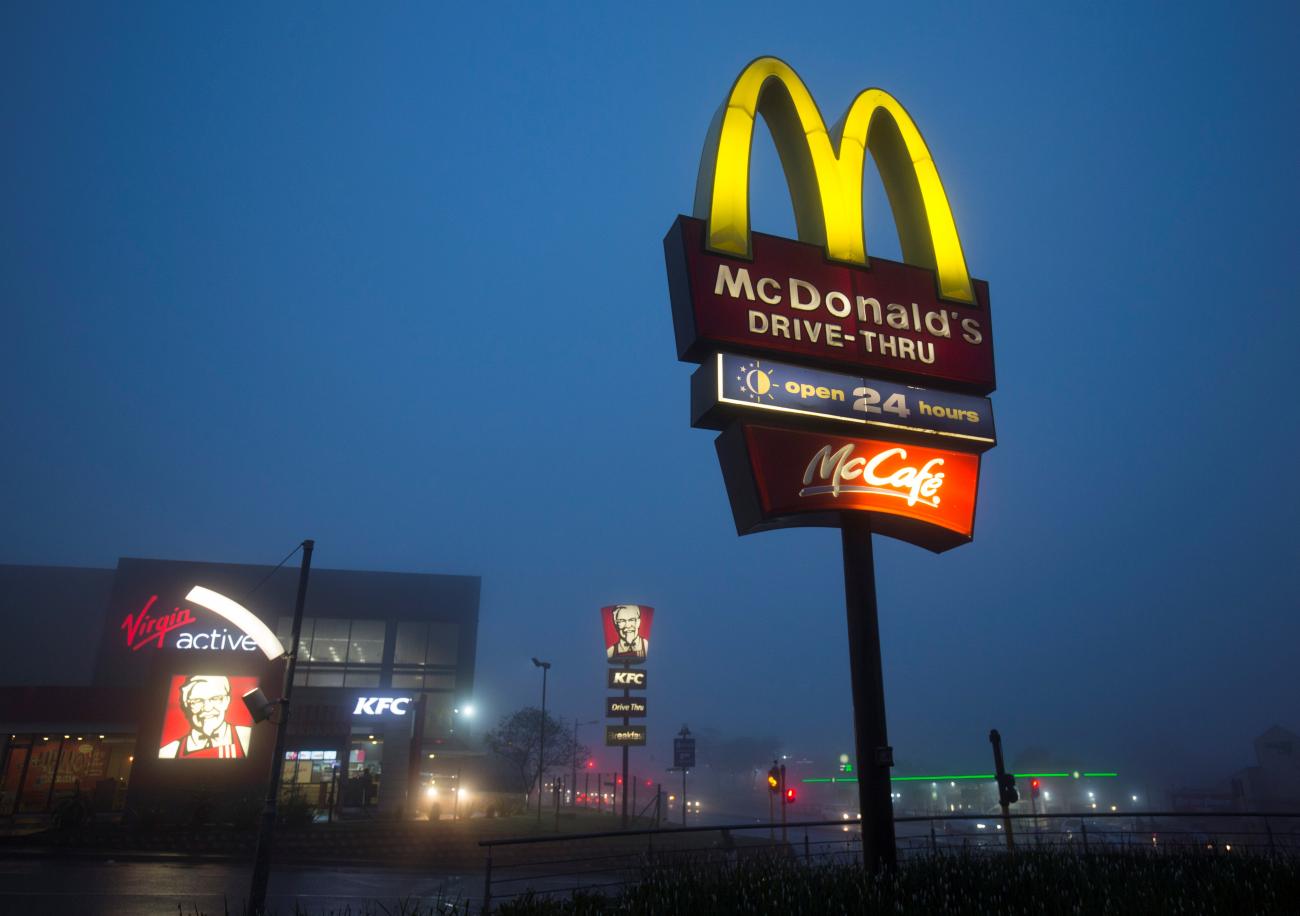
868	398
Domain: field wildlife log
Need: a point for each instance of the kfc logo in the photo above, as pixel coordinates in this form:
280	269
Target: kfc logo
628	679
201	723
377	706
627	632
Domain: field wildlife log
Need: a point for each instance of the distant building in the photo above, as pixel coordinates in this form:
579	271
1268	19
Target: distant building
1273	784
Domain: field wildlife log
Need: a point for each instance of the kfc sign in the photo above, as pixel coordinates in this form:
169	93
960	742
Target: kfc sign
626	678
377	706
785	478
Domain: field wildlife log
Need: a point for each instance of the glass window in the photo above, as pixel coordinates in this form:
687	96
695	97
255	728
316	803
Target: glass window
367	643
361	679
440	681
329	642
284	629
325	679
408	680
411	636
442	643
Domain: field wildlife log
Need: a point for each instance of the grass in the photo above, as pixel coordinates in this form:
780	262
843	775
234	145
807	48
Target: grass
1039	883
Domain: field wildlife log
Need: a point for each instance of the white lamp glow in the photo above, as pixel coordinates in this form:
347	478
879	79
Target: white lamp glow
240	616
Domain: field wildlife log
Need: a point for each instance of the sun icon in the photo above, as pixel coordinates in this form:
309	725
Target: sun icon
755	382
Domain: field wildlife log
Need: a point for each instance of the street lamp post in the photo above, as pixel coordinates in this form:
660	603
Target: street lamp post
541	743
262	857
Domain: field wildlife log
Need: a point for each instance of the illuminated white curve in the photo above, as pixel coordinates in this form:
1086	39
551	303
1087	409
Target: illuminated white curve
240	616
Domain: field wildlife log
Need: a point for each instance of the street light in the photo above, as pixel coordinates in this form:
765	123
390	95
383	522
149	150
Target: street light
541	742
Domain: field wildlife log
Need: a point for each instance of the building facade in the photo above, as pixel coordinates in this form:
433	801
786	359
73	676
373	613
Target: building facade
121	691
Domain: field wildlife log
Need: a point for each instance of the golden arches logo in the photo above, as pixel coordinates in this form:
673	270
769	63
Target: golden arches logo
824	171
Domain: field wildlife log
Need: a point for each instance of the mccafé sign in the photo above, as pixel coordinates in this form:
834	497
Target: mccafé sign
809	335
791	478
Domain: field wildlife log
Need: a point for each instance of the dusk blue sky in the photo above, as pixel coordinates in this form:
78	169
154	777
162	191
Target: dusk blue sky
391	277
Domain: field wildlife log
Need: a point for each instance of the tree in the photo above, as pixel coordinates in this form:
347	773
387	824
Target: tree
516	738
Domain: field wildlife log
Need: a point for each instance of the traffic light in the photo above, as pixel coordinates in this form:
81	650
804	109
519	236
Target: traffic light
1033	787
1007	793
790	796
774	780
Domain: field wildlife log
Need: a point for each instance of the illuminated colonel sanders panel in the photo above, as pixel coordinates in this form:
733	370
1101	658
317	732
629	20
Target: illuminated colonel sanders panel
627	631
202	722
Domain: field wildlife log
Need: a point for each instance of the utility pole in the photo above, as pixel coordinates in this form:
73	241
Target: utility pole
262	859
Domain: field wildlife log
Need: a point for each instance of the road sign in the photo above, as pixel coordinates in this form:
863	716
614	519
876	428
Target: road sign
683	753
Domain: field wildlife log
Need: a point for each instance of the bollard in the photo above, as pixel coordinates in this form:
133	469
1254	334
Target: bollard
1269	830
934	844
1083	828
487	885
807	856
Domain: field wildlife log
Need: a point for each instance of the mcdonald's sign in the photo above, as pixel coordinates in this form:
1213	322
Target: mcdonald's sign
820	298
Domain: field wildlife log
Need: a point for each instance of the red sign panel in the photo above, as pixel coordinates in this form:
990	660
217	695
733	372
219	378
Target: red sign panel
790	301
627	632
779	478
205	718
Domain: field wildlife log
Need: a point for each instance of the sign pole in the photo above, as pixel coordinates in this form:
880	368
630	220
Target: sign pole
627	695
875	757
262	860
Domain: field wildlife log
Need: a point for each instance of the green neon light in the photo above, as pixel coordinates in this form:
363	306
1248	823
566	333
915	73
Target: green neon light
967	776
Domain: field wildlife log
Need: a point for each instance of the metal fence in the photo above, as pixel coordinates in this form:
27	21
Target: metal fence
565	863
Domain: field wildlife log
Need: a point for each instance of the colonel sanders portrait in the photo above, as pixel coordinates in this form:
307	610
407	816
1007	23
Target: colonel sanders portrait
203	700
627	623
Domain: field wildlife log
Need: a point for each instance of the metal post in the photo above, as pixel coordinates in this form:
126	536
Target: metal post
1001	772
262	861
586	790
784	839
573	774
634	782
683	796
807	855
934	843
541	741
1083	828
624	785
659	804
871	739
487	885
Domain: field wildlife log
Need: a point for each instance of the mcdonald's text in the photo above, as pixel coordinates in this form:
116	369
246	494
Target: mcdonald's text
790	300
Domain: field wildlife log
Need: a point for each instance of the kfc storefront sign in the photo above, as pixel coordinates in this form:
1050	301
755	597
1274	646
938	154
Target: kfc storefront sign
785	478
381	706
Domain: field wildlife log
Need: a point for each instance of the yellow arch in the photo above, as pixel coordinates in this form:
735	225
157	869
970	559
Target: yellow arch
825	185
